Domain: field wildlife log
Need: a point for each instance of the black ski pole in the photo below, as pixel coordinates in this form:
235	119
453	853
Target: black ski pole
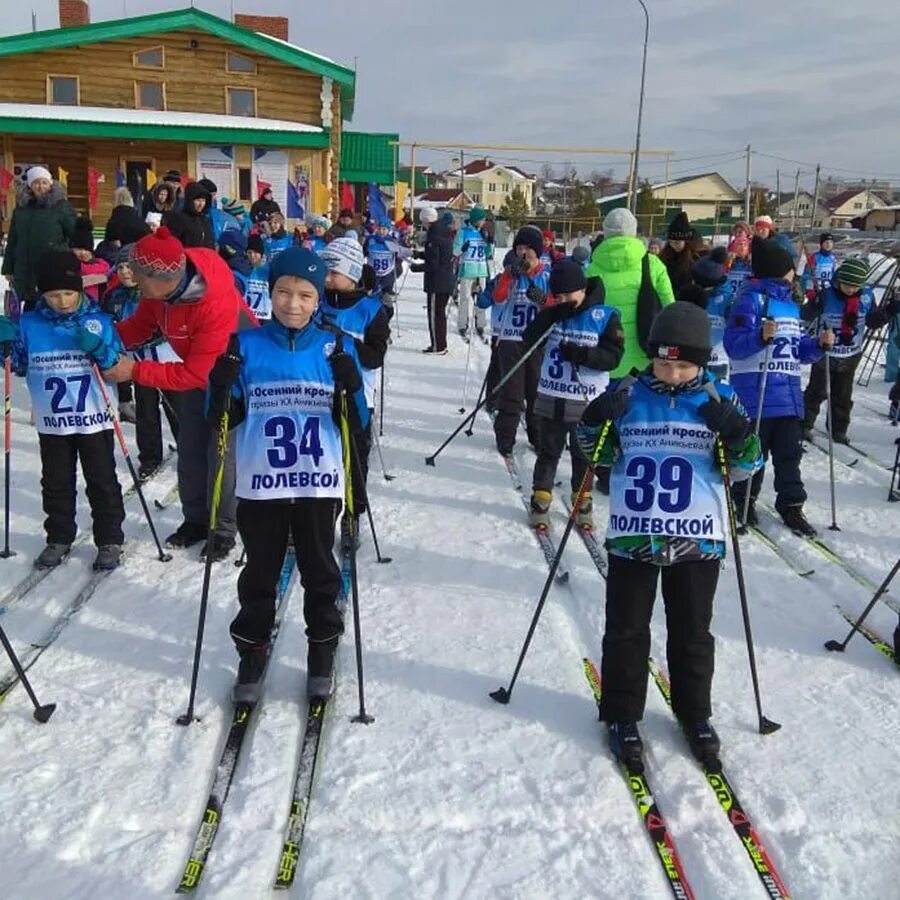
829	422
429	460
766	726
384	471
163	556
892	496
759	411
362	717
357	464
222	446
41	712
471	429
840	646
503	694
239	562
381	403
6	553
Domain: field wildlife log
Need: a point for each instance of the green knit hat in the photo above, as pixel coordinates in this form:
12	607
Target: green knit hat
477	214
853	272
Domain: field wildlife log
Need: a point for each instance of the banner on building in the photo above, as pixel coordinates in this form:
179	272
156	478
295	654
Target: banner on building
271	167
298	194
217	164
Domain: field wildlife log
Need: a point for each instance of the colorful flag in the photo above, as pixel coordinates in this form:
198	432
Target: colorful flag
62	176
347	199
95	178
294	206
401	189
120	178
321	197
262	186
377	209
151	178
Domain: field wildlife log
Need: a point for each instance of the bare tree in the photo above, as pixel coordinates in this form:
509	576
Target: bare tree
548	173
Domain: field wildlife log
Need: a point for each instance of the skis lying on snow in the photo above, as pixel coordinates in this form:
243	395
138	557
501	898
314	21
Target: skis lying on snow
231	751
289	859
168	500
650	813
591	544
732	807
875	639
833	556
36	576
548	548
775	546
840	455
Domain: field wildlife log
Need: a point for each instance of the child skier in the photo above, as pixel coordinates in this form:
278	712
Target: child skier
739	267
668	519
709	289
233	249
473	252
585	344
276	239
283	385
54	348
382	252
764	331
820	267
364	318
121	301
316	239
257	295
846	307
520	292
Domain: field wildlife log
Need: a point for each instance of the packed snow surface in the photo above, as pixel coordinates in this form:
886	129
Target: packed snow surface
447	794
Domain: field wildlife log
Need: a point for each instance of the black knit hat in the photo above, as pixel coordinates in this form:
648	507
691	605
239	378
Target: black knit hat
825	236
709	270
173	176
83	235
681	332
59	270
691	292
566	277
255	243
211	186
769	259
680	228
529	237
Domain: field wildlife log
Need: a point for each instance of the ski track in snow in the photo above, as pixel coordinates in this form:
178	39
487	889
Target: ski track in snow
448	795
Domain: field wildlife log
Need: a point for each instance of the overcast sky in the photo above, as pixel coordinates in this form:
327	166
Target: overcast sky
809	81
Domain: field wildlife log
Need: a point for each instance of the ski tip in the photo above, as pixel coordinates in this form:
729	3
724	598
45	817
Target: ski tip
501	695
42	713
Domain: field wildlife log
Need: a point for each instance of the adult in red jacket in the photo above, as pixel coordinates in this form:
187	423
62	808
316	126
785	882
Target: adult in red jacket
188	298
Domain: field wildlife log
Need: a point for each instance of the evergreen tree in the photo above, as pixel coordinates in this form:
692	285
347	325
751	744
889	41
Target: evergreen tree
649	210
515	209
584	207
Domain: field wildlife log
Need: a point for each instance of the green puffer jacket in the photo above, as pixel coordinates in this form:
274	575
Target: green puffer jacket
617	260
37	225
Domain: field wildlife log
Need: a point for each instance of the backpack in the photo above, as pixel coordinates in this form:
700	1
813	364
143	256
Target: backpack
648	305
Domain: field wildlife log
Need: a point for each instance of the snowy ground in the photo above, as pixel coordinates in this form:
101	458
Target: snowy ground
448	795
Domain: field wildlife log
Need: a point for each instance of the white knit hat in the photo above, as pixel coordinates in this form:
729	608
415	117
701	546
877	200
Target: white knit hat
428	215
345	256
620	223
154	218
36	172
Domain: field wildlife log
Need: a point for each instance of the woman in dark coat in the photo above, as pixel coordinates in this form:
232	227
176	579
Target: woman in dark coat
192	225
680	252
161	198
124	226
439	280
42	220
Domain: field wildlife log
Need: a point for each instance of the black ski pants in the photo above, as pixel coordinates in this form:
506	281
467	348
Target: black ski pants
520	390
148	429
781	437
552	436
59	453
437	320
843	374
688	590
264	526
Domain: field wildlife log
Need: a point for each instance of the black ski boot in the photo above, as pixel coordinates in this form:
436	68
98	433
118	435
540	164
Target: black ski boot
108	557
704	743
793	517
147	470
186	535
251	669
222	545
627	746
52	555
320	669
897	645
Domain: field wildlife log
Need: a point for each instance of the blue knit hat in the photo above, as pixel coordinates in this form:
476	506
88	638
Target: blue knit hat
301	263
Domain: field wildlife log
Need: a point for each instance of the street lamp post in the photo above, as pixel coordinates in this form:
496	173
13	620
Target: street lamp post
637	139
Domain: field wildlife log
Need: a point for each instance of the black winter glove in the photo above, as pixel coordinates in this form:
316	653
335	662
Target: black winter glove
465	246
725	419
346	372
611	404
227	368
536	295
518	266
573	353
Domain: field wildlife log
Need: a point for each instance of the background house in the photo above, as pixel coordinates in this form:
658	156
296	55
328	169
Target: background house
490	184
790	215
124	101
852	204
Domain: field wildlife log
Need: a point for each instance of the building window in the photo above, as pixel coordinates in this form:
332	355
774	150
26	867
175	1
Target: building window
149	95
857	206
242	65
240	101
492	186
64	90
152	58
245	191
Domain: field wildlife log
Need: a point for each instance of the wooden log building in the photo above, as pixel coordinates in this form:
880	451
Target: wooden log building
125	101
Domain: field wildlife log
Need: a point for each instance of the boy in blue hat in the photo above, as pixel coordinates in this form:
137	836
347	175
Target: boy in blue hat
283	385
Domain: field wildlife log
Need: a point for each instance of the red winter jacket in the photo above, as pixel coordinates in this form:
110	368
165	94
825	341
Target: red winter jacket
198	330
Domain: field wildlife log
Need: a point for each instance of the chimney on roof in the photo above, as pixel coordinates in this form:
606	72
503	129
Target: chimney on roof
274	26
73	13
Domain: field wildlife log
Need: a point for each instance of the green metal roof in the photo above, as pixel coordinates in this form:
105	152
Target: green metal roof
367	157
116	29
262	137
